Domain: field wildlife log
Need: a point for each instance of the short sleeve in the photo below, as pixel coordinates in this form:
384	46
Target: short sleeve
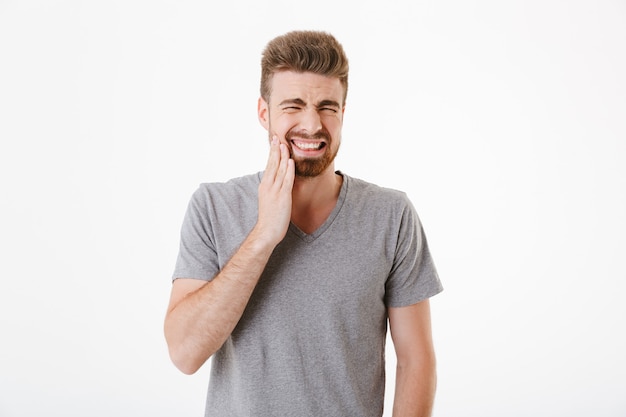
197	257
413	277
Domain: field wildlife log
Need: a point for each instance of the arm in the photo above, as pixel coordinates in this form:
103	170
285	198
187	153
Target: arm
416	377
201	315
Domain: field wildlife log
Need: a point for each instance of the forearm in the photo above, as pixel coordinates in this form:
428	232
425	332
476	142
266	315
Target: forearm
201	317
198	325
415	388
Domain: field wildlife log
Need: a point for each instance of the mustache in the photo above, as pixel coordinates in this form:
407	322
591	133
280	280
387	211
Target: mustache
320	134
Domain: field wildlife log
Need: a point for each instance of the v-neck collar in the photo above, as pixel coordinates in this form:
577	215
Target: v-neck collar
310	237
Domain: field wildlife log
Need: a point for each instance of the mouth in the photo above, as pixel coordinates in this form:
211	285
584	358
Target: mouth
308	145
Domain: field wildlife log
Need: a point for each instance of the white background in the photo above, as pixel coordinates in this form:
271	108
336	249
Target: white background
504	121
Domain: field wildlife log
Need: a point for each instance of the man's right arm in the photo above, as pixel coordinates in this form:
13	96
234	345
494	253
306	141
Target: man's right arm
202	315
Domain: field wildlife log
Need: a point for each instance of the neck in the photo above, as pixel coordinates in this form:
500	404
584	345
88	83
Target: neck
308	191
313	199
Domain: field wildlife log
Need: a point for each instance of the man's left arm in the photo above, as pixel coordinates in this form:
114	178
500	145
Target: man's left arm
416	376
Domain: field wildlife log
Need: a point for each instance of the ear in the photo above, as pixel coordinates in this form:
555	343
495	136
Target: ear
263	113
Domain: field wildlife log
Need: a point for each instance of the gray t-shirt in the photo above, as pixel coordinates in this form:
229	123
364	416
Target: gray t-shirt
311	341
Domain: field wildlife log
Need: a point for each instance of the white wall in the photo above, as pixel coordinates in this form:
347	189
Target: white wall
504	121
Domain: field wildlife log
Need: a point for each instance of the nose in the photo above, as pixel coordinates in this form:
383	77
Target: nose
311	121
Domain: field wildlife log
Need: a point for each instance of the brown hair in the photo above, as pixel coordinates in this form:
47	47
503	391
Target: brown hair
304	51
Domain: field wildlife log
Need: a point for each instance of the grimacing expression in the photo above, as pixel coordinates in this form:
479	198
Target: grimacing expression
311	166
306	113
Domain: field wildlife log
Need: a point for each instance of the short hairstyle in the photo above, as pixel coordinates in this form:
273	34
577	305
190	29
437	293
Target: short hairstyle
304	51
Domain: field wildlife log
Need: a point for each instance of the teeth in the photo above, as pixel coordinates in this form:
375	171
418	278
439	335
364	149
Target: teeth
308	146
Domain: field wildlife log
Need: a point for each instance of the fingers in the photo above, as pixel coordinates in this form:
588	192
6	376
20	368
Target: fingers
273	160
275	193
283	165
290	175
279	168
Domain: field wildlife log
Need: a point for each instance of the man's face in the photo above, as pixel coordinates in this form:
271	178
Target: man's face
305	111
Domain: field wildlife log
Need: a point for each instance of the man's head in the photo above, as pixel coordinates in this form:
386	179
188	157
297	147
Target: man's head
304	84
304	51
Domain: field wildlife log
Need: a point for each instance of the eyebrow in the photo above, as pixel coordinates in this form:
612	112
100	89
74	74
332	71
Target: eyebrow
300	102
328	103
297	101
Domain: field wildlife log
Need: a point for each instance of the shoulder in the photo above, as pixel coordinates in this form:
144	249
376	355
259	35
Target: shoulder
364	192
223	209
235	188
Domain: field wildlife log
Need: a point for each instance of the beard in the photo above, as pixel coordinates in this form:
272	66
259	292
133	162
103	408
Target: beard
312	167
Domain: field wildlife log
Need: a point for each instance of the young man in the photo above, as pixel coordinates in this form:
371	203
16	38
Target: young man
287	277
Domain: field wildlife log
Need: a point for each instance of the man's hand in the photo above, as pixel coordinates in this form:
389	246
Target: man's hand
275	194
202	315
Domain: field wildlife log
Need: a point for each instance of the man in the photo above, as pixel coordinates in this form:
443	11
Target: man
287	277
